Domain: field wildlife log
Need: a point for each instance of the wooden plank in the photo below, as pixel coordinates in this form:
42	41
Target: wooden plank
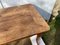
20	22
25	41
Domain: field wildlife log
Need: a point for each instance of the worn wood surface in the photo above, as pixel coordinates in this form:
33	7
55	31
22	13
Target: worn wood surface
20	22
25	41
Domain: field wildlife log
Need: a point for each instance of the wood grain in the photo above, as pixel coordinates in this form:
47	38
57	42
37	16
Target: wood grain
20	22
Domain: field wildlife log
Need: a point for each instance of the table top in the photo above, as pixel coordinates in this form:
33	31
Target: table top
20	22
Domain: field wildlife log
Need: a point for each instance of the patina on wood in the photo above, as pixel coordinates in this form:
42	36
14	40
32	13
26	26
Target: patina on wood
20	22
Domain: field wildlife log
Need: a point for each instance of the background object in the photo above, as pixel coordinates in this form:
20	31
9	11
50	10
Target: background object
56	8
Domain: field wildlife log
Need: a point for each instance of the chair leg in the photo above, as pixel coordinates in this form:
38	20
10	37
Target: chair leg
33	40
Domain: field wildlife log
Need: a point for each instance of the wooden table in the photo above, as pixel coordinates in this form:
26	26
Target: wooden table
20	22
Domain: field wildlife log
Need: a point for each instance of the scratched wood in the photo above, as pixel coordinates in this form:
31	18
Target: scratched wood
20	22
